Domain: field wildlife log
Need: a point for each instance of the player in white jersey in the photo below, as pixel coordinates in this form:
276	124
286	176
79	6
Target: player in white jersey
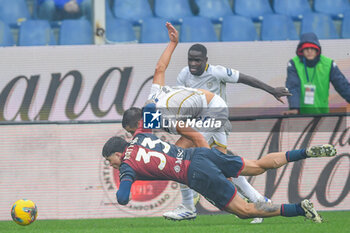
213	78
200	74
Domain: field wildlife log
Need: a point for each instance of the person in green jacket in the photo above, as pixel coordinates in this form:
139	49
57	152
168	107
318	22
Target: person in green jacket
308	77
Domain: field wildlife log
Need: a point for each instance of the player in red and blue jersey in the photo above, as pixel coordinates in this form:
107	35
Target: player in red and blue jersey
205	170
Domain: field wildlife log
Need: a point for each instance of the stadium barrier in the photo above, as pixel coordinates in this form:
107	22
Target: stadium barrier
60	167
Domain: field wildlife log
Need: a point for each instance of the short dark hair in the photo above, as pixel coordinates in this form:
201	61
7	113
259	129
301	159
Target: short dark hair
114	144
199	47
131	117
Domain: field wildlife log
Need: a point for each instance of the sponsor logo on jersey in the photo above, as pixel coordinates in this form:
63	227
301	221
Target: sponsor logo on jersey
179	158
177	168
209	85
229	72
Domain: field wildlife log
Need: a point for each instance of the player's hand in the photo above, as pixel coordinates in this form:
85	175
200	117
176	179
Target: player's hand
173	34
279	92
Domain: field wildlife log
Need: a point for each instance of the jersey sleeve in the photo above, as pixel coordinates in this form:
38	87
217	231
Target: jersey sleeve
155	89
293	85
126	176
226	75
181	78
126	173
340	83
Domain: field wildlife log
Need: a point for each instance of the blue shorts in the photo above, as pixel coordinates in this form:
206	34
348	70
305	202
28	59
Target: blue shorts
208	173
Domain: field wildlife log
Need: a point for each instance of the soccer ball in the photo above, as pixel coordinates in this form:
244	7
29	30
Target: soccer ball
24	212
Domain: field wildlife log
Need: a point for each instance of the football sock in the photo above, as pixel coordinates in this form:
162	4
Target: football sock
187	197
247	189
292	210
295	155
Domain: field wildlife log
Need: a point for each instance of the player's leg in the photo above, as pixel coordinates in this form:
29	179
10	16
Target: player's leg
247	190
278	159
187	209
219	140
244	188
209	180
219	110
245	210
189	197
185	102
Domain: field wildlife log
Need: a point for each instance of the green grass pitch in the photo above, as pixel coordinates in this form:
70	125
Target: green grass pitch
335	222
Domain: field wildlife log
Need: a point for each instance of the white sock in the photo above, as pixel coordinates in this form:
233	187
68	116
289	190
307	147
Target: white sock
247	190
239	193
187	197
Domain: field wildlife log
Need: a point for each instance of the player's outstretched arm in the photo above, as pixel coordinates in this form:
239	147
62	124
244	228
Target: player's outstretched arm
163	62
277	92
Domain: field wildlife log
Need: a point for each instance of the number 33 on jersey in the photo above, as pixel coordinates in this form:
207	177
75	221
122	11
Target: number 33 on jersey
154	159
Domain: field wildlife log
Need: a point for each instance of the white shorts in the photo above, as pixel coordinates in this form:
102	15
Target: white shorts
216	139
196	106
217	108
